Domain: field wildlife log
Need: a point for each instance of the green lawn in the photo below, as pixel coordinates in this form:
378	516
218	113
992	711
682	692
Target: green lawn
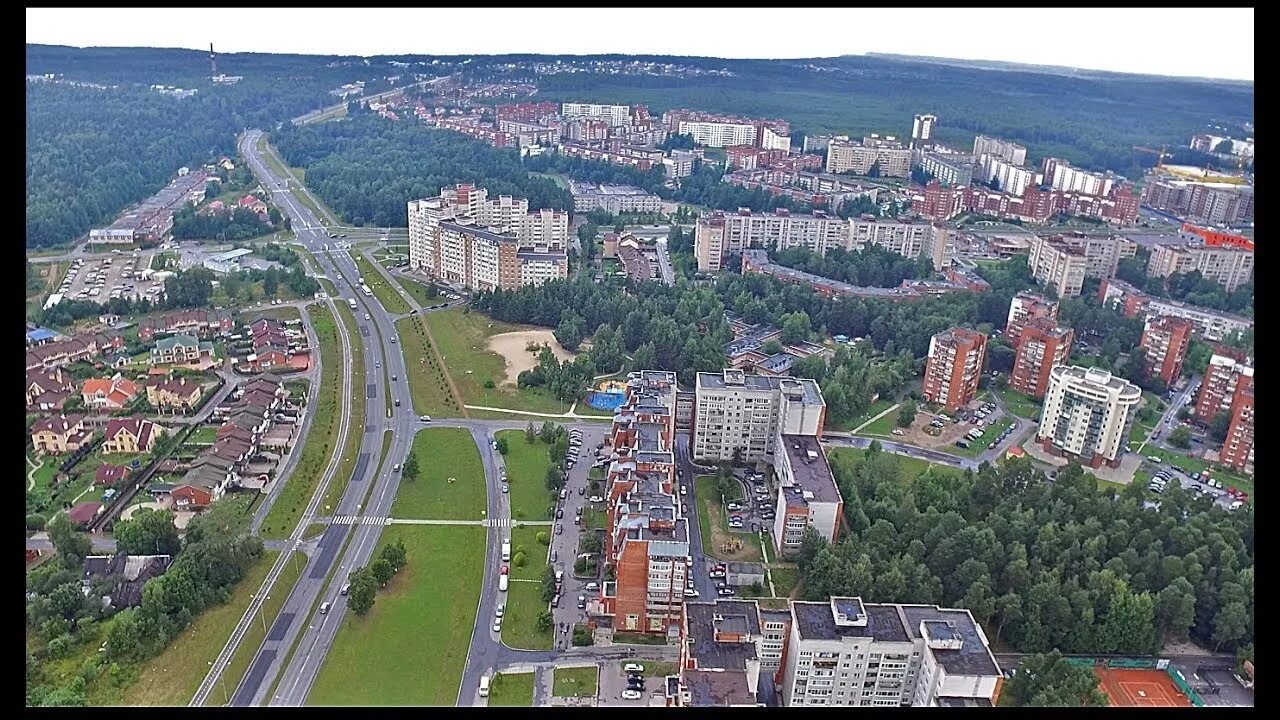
876	408
424	295
511	690
704	488
713	523
535	553
203	435
575	682
351	450
412	646
388	295
444	454
463	336
524	602
883	426
282	314
427	383
1227	477
527	465
653	668
785	580
845	460
979	446
593	518
1023	406
638	638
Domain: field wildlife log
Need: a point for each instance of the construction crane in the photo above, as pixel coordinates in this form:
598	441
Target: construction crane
1160	154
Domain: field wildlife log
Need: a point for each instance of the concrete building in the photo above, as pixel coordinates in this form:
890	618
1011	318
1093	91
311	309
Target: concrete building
1216	203
1059	175
922	128
1066	260
954	367
1041	346
586	130
1228	266
612	198
819	143
714	130
1237	448
1010	152
950	169
463	237
847	653
743	415
807	493
679	163
908	239
720	655
1026	306
612	114
1087	415
853	157
720	234
1012	178
1164	345
1228	369
757	261
1209	324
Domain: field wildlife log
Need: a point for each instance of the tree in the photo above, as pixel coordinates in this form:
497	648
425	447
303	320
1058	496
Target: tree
270	282
994	183
548	584
1230	625
796	327
543	537
396	555
148	532
1224	147
907	414
361	594
554	477
874	170
544	621
1048	680
71	544
518	559
1219	425
411	469
382	571
548	432
530	434
771	347
1180	437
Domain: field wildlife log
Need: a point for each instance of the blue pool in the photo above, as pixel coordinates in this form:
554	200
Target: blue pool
605	400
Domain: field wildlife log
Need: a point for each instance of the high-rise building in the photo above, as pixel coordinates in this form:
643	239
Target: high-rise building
463	237
807	493
1066	260
722	652
736	414
1010	177
1041	346
1211	202
1237	448
1009	151
908	239
719	234
1059	175
1227	369
858	158
713	130
951	169
613	114
922	128
1164	343
1087	415
847	653
1228	266
1210	324
1026	306
954	367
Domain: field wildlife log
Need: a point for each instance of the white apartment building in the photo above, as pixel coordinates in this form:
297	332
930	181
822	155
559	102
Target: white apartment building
1211	324
1087	415
807	493
922	127
1059	175
718	134
737	412
851	156
846	653
1010	152
613	114
1013	179
1228	266
1066	260
906	239
720	234
951	169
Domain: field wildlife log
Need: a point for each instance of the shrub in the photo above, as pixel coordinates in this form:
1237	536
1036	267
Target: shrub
544	537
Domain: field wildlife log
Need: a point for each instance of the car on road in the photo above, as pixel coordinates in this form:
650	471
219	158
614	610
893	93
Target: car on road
726	592
690	593
396	468
582	601
502	607
595	499
630	694
559	529
684	489
506	569
393	340
397	403
394	378
505	489
593	585
346	587
559	513
633	668
497	625
555	601
324	609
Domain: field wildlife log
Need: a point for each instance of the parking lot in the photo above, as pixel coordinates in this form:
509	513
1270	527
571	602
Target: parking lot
564	545
977	426
122	275
614	685
1191	482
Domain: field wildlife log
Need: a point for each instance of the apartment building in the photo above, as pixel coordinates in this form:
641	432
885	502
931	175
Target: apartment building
719	234
1059	175
1228	369
1066	260
922	128
847	653
1087	415
714	130
646	534
1011	178
907	239
854	157
1010	152
1237	448
1209	324
1041	346
612	198
679	163
950	169
807	493
463	237
586	130
721	654
954	367
1026	306
1228	266
1164	345
1217	203
736	414
612	114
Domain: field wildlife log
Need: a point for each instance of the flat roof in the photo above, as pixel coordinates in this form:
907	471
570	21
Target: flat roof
974	656
810	471
703	618
718	688
763	383
816	621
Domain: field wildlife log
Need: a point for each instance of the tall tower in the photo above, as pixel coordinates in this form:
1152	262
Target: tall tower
213	61
922	129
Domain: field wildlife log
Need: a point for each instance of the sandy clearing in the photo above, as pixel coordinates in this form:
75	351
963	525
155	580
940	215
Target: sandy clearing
511	346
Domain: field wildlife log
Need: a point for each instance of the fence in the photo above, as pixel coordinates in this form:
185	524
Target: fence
1184	686
1140	663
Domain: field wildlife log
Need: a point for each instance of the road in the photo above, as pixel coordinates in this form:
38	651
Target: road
316	114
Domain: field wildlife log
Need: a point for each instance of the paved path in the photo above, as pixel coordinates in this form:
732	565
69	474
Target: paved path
877	417
569	415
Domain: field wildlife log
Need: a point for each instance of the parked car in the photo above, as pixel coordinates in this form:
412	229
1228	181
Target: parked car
630	694
502	607
633	668
582	601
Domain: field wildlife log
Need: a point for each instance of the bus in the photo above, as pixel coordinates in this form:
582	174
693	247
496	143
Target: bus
366	289
352	303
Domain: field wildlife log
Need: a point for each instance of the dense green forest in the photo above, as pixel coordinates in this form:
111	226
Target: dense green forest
872	267
1047	564
367	168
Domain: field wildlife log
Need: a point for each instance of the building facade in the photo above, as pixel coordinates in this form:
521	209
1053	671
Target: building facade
612	114
949	169
1228	266
1237	448
908	239
1066	260
954	367
1010	152
1228	369
1059	175
1209	324
1026	306
1087	415
613	199
1040	346
1164	345
1010	178
922	128
736	414
808	496
853	157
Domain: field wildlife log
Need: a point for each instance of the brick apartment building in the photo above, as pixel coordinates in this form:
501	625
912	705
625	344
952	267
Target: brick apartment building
1041	346
1165	341
1237	448
1026	306
1228	368
954	367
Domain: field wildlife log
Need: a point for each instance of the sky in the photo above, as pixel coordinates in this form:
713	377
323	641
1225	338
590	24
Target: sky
1149	41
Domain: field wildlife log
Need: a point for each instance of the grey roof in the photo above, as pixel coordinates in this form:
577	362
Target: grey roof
810	472
760	259
816	621
747	568
702	624
479	231
762	383
973	657
779	616
718	688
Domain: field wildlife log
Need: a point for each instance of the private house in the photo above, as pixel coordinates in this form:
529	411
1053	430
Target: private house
112	393
181	349
63	352
48	389
133	434
59	434
173	394
203	324
201	487
124	574
108	475
84	513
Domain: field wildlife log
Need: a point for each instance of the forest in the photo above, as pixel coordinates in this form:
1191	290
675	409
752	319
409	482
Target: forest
367	168
872	267
1047	565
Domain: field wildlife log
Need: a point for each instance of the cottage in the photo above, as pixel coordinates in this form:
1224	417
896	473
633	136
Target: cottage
59	434
133	434
180	349
124	574
175	394
108	475
48	389
84	513
111	393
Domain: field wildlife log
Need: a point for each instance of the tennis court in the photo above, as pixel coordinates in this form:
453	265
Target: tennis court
1140	688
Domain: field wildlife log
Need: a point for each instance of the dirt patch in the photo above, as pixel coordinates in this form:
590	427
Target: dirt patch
512	347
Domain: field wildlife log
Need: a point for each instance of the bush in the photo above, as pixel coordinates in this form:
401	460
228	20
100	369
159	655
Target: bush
36	521
544	537
518	559
581	636
488	385
60	646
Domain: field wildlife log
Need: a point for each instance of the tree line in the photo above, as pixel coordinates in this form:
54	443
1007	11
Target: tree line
1192	287
871	267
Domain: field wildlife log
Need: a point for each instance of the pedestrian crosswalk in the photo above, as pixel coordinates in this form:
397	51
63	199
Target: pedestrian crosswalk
360	520
498	522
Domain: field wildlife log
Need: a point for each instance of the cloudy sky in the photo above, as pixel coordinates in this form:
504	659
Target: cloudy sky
1151	41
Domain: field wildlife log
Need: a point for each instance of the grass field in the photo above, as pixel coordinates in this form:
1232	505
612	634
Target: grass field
575	682
1021	405
427	383
203	435
713	523
884	426
535	553
388	295
464	340
412	646
527	465
876	408
423	294
244	654
282	314
511	690
444	454
845	460
785	580
524	602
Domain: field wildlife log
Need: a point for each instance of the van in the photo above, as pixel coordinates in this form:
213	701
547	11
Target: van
484	686
324	609
502	583
506	550
345	588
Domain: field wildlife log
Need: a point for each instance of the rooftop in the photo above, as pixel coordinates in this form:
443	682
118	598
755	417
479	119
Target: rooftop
973	657
810	472
704	619
812	395
817	621
718	688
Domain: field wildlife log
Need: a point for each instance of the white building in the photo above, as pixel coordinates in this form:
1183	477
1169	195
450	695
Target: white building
719	234
951	169
851	156
1011	152
1059	175
718	134
613	114
807	493
1013	179
737	413
1087	415
910	240
846	653
1228	266
612	198
922	127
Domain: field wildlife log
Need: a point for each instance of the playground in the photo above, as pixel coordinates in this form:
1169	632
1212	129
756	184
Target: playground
608	395
1134	687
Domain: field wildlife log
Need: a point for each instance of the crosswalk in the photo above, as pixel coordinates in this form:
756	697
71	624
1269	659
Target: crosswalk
498	522
360	520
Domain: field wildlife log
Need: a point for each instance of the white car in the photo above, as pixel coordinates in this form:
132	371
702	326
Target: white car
502	607
630	694
633	668
497	625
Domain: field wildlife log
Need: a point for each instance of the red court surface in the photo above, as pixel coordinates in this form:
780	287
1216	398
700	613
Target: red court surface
1140	688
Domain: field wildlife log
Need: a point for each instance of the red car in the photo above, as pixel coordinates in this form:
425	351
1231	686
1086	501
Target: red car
504	569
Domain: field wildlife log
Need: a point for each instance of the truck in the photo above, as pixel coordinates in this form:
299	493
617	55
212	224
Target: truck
351	302
506	550
502	583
